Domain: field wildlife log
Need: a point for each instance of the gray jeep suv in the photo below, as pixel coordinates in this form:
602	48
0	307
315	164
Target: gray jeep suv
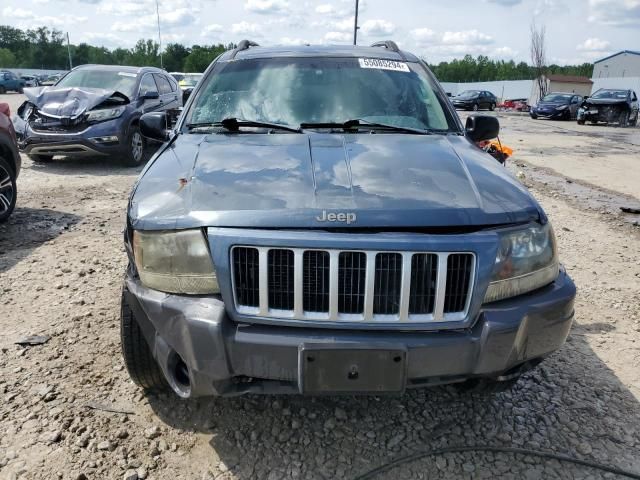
319	221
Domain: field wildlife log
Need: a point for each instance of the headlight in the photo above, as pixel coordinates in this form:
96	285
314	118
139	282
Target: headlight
561	107
175	262
104	114
527	259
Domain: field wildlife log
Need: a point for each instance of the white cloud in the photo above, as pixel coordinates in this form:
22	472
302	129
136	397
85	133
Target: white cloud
245	27
507	3
503	53
377	27
292	41
423	36
265	6
339	37
620	13
325	9
466	37
594	45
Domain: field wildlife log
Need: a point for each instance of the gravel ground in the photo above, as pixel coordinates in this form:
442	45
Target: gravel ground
61	265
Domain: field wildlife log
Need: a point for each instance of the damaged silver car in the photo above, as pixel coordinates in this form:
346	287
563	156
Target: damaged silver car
94	111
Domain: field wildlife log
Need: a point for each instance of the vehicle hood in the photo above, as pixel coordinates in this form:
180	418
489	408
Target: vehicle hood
293	180
605	101
66	102
550	104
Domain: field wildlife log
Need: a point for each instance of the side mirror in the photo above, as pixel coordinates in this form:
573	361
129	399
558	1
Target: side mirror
153	125
186	94
585	97
150	96
482	127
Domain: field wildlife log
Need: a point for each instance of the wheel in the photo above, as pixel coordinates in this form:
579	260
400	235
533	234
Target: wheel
581	122
141	365
624	119
634	122
485	386
2	90
492	106
534	117
41	158
136	147
475	107
8	190
21	90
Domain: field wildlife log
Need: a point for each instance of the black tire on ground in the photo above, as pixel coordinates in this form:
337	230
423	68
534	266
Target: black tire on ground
141	365
136	146
2	90
475	107
20	90
8	190
485	386
492	107
41	158
624	119
634	122
534	117
580	122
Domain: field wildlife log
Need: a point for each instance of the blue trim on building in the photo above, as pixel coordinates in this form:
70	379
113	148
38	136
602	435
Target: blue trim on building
616	54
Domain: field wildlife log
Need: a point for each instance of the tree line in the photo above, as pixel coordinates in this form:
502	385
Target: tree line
483	69
47	49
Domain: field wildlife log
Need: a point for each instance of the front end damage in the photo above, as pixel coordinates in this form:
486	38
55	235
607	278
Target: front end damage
71	121
610	113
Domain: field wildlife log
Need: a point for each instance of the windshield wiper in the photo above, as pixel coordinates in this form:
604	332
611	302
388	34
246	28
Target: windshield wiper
355	123
234	124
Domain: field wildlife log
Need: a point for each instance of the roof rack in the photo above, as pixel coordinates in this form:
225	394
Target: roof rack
390	45
243	45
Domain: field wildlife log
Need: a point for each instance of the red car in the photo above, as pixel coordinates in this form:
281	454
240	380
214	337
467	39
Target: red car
518	104
9	163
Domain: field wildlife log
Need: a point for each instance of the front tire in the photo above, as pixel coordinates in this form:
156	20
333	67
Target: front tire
581	122
624	119
142	367
8	190
2	90
534	117
136	145
492	107
475	107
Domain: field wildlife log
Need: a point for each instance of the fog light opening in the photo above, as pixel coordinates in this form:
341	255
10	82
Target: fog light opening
179	380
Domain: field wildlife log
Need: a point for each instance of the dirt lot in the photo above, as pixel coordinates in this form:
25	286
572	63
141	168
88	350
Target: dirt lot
61	265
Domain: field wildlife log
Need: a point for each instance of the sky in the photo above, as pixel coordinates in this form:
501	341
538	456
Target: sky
577	30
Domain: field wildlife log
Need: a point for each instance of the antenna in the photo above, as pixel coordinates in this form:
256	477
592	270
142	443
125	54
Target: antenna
159	35
355	25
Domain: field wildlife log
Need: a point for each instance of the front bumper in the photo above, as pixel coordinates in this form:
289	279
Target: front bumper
75	144
228	358
552	114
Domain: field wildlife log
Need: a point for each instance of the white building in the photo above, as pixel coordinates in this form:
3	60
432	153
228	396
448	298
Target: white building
621	64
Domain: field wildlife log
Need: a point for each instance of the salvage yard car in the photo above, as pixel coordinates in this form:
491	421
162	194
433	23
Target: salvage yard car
9	81
557	106
9	163
94	110
610	106
475	100
319	221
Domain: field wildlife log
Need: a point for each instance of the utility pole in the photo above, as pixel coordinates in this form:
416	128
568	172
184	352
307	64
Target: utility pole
69	52
159	36
355	25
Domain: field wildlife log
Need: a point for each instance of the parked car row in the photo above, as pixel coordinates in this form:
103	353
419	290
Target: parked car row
475	100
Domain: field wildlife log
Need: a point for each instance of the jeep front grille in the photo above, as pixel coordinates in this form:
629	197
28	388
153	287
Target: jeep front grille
352	286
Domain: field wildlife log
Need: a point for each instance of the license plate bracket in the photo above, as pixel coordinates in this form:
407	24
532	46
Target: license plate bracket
327	369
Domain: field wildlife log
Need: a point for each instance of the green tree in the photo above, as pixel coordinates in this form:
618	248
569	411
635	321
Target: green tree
174	56
201	57
7	59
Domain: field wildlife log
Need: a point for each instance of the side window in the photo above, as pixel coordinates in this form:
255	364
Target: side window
172	82
634	98
163	84
147	84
